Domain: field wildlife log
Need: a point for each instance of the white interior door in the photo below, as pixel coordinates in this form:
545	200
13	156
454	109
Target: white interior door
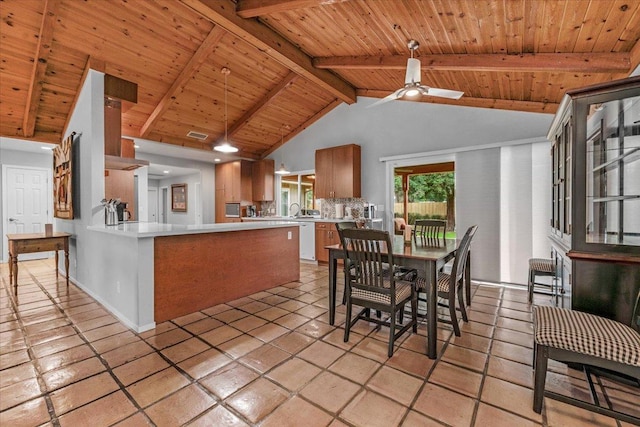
153	204
28	203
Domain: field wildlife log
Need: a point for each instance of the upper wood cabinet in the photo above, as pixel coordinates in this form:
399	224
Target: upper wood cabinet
233	179
338	172
263	171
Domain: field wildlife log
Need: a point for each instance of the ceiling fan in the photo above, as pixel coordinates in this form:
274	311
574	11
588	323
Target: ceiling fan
412	87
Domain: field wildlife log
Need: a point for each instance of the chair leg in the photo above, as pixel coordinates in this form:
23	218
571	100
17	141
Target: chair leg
463	311
541	359
414	311
401	315
347	323
392	331
454	318
530	286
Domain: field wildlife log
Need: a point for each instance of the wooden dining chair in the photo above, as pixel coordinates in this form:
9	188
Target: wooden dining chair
429	231
343	225
451	286
368	251
598	344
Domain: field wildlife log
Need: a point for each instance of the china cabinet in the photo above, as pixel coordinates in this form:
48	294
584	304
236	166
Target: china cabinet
595	219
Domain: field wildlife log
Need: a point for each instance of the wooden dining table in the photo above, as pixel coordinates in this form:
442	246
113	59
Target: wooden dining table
426	259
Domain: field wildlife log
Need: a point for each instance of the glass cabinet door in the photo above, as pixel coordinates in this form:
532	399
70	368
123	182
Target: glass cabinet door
613	173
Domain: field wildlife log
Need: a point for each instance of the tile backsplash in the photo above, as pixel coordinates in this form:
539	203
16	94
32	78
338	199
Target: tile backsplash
328	209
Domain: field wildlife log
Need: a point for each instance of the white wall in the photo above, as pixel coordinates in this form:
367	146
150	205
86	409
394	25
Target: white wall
188	217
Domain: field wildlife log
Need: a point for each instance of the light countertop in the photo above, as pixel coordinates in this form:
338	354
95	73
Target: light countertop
305	219
155	229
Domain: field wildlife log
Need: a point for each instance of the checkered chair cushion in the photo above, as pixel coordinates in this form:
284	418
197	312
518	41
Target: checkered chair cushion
542	265
403	292
586	334
443	282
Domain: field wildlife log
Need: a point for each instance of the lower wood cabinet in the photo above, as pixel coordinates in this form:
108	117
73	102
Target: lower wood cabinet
326	234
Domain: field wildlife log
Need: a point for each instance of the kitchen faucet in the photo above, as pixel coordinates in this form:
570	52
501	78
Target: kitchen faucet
291	207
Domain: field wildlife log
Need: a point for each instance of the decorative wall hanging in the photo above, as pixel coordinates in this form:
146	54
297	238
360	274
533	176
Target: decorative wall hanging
62	188
179	197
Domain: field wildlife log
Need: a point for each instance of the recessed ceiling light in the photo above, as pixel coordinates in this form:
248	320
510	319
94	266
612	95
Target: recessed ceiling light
217	160
136	146
165	171
47	148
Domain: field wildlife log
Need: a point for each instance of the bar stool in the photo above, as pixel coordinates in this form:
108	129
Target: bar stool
542	267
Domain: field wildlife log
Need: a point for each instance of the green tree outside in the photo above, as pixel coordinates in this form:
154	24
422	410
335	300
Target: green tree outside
430	187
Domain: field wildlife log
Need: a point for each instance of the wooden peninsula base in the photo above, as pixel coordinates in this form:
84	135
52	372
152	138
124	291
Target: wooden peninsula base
196	271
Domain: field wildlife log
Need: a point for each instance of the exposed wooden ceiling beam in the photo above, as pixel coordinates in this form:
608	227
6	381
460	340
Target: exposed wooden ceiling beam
467	101
635	56
333	104
41	58
222	12
92	64
205	50
188	143
266	100
253	8
527	62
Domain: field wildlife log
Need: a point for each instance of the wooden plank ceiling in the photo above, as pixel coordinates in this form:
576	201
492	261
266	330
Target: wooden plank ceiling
292	62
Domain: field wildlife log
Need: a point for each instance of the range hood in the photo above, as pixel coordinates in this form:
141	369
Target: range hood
119	152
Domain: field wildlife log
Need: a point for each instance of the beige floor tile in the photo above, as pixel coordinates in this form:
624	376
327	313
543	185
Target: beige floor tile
180	407
321	354
263	358
477	329
157	386
16	374
291	320
240	346
411	362
258	399
168	338
204	363
140	368
515	324
127	353
561	414
508	370
479	316
203	325
65	358
114	341
395	385
272	313
216	309
315	329
189	318
228	379
336	338
512	352
513	337
471	341
373	410
509	396
509	313
491	416
218	416
28	414
248	323
293	342
82	392
373	349
253	307
297	412
444	405
44	336
294	374
136	420
219	335
98	322
184	350
159	329
230	315
416	419
330	391
455	378
71	373
465	358
105	411
18	393
355	367
57	345
268	332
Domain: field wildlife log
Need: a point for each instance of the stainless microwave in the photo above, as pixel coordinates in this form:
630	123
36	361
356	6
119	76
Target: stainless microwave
232	210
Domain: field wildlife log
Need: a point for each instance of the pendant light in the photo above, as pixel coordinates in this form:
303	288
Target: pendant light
224	146
282	170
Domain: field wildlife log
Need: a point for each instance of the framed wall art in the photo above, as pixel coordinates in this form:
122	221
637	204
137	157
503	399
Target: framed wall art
62	179
179	197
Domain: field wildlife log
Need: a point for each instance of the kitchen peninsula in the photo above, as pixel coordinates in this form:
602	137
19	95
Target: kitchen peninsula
158	272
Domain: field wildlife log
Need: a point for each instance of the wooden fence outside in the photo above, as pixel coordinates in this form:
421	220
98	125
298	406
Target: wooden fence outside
424	208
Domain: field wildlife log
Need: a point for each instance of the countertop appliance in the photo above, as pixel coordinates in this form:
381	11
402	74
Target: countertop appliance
123	214
251	211
232	210
369	211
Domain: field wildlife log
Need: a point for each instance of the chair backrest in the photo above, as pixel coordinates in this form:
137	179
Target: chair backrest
369	251
345	224
635	316
430	231
462	252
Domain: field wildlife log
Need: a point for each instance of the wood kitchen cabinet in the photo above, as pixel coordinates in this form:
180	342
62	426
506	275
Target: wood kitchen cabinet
233	185
326	234
262	173
338	171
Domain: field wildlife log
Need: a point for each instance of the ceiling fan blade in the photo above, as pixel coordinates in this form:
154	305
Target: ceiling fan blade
391	97
445	93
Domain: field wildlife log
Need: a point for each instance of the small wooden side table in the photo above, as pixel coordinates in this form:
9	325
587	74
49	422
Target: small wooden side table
36	242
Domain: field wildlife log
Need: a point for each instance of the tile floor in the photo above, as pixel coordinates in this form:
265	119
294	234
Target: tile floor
270	359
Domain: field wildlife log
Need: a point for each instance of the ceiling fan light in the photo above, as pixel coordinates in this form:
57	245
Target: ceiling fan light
282	170
412	92
225	147
412	75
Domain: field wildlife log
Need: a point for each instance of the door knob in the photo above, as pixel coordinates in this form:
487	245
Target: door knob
13	220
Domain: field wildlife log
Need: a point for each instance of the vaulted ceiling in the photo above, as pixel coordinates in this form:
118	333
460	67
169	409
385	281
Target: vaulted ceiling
294	61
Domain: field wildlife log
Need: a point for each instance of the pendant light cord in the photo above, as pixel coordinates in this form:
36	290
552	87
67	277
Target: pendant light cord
226	138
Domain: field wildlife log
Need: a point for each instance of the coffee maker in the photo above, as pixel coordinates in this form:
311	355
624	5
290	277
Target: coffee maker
123	213
251	211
